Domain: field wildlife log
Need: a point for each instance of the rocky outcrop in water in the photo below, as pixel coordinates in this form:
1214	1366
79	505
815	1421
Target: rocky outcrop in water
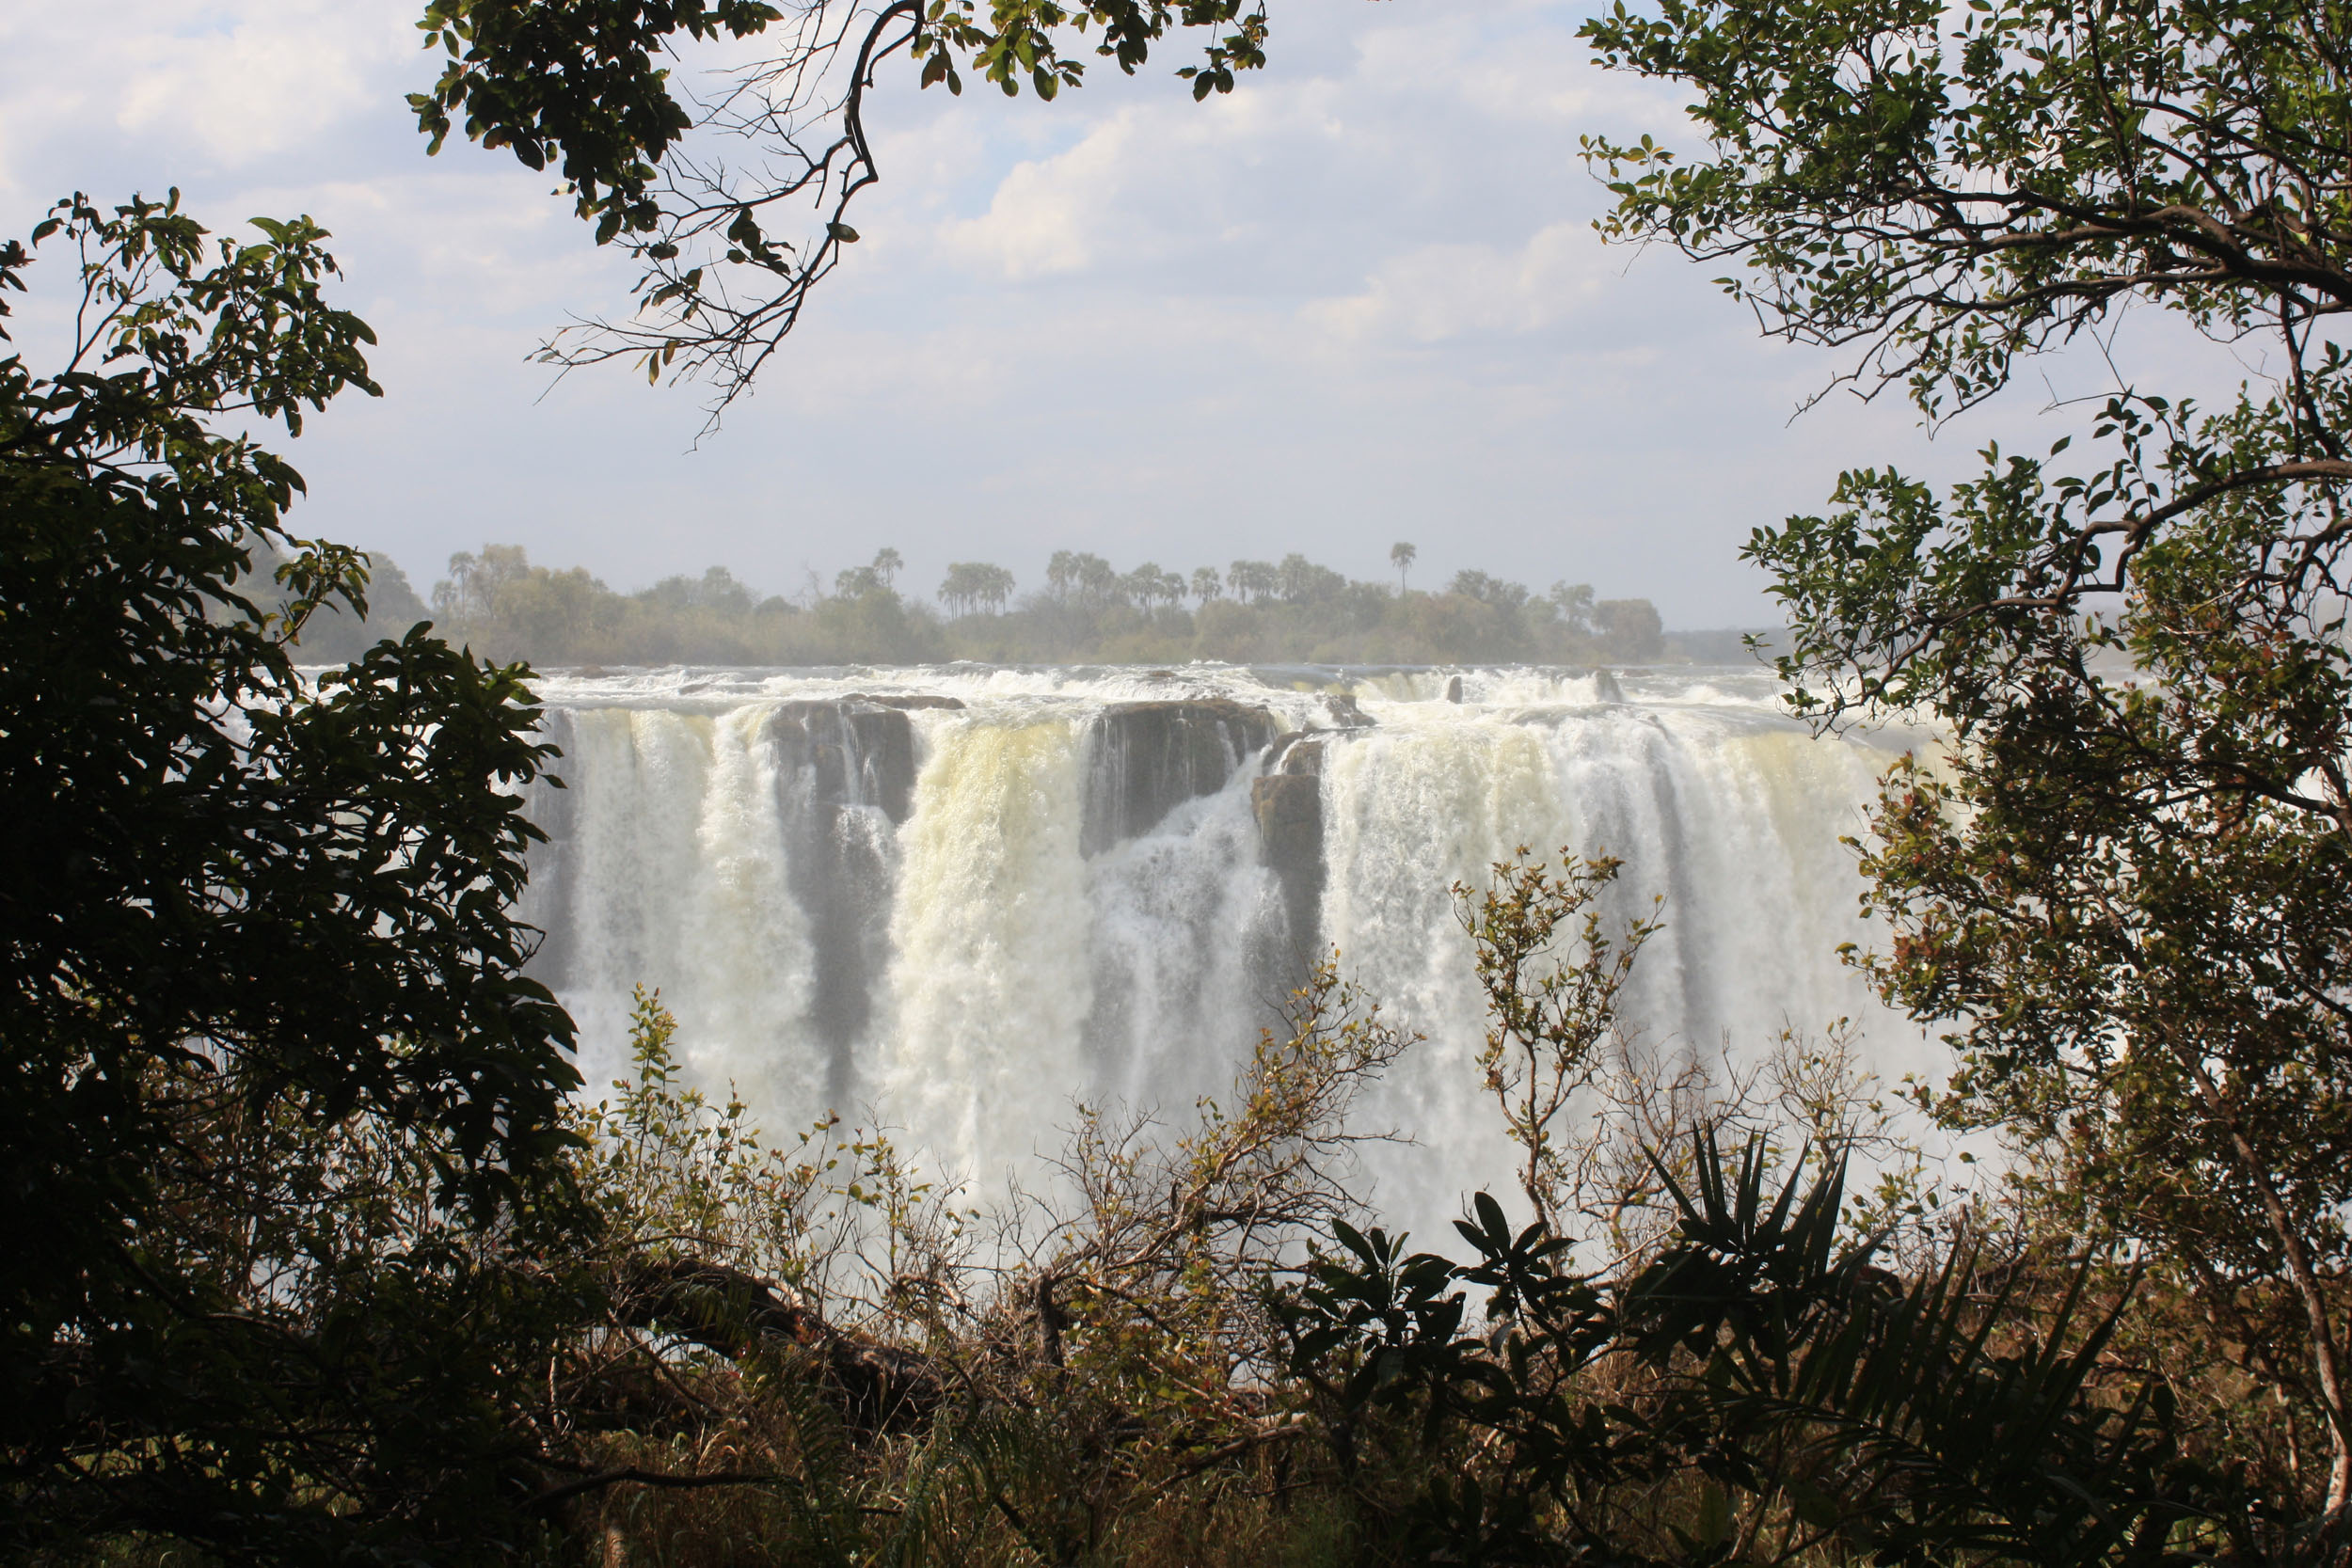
1145	759
1342	706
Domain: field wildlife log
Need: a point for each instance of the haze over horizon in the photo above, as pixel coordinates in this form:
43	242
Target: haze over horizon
1357	301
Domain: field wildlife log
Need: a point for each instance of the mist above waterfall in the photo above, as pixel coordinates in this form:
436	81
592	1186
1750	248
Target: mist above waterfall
958	899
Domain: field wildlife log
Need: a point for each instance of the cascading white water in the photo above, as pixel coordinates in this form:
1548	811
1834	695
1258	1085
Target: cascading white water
965	898
986	996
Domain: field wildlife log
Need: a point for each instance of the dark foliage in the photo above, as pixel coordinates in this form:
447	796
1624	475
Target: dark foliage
263	984
1818	1402
2122	889
586	87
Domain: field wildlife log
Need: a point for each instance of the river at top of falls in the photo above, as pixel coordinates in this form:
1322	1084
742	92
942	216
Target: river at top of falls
959	899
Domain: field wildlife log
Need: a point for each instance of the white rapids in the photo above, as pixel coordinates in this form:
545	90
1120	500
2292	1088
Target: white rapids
959	899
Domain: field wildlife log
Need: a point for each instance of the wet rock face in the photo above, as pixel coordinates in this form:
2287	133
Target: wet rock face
1289	806
550	808
860	749
1145	759
552	873
845	776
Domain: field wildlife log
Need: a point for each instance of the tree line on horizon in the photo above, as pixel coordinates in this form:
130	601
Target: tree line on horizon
1294	610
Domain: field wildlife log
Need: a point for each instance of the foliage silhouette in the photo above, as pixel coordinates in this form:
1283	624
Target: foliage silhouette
272	1070
2122	888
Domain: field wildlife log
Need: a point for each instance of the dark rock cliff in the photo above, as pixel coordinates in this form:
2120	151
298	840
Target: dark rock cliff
1289	806
845	779
1145	759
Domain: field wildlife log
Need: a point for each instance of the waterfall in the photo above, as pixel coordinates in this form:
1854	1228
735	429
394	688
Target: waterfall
962	899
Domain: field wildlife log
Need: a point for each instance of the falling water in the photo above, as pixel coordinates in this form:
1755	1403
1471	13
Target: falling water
965	898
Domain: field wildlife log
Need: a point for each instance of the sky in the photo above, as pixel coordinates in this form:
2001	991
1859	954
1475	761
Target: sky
1355	302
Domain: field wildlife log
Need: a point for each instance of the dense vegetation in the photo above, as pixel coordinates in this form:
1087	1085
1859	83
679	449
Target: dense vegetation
2124	893
1290	611
1713	1350
273	1074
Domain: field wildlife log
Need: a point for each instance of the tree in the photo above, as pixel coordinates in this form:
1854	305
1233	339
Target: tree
1205	585
587	89
1139	587
715	589
475	582
1061	574
970	586
1402	557
1254	581
1301	582
259	970
1489	590
1149	584
1574	601
2123	886
1085	577
1631	629
1549	1012
500	596
1097	581
859	581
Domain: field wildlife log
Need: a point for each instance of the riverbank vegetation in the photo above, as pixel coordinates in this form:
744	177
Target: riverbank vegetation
497	601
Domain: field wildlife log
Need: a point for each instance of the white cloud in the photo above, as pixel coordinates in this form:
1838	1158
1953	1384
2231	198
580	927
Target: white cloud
1051	215
228	85
1438	292
260	86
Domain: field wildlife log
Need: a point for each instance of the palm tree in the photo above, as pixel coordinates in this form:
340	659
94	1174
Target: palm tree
1400	557
1252	580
